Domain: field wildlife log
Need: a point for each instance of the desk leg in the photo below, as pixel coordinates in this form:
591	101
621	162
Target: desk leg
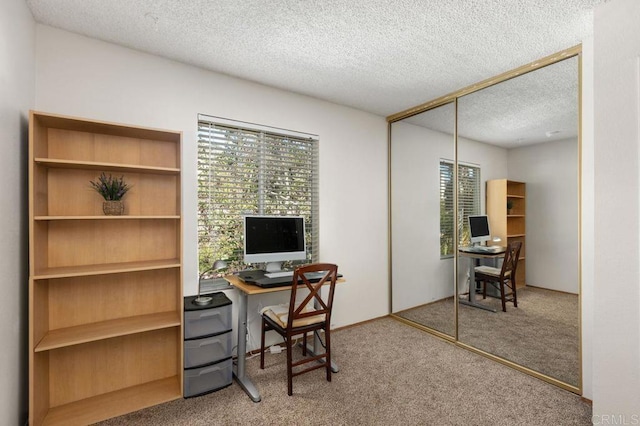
239	369
315	349
472	288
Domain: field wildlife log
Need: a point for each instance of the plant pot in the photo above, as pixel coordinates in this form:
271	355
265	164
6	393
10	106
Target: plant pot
113	208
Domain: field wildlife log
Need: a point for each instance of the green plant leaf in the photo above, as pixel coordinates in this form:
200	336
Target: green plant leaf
111	189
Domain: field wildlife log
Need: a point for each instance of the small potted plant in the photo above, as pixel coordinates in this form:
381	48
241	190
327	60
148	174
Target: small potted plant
112	190
509	206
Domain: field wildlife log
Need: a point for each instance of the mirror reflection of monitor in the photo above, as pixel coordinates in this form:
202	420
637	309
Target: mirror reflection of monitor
479	229
273	240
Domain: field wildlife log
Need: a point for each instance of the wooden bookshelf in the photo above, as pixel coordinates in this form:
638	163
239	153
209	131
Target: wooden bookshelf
105	292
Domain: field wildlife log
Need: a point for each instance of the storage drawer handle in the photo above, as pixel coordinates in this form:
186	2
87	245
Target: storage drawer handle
209	370
209	314
209	343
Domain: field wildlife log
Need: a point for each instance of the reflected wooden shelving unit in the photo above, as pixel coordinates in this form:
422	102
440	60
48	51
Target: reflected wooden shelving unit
509	226
105	292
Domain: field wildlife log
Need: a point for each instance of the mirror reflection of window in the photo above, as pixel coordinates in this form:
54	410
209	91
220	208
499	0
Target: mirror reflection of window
468	204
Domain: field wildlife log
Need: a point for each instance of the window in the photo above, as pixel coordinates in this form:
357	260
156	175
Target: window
251	170
468	203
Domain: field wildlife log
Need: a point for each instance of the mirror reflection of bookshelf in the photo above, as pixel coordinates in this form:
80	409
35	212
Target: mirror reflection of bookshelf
507	225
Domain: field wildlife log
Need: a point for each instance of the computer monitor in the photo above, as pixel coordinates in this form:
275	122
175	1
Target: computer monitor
273	240
479	228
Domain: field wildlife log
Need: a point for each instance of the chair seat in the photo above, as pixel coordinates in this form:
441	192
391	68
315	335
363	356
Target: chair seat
280	315
489	270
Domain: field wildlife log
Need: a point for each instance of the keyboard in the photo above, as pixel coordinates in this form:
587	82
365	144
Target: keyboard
483	249
279	274
309	275
260	279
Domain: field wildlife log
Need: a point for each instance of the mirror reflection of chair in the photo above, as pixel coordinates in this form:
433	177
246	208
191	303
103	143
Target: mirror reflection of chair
299	318
502	277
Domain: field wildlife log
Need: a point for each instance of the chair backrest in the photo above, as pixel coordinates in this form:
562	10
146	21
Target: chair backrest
313	304
510	262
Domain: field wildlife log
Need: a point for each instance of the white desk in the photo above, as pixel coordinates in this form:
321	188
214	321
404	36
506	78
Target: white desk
239	369
474	260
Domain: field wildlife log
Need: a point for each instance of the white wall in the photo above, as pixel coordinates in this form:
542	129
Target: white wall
84	77
550	171
587	218
616	334
17	59
419	275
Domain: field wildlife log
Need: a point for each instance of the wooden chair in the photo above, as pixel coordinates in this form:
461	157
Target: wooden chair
299	318
503	277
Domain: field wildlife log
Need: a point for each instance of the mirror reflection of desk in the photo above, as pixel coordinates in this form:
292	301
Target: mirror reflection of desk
475	255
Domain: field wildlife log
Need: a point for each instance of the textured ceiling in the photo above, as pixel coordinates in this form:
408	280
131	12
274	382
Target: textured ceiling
377	55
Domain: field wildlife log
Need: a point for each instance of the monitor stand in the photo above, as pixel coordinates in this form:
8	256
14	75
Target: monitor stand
273	267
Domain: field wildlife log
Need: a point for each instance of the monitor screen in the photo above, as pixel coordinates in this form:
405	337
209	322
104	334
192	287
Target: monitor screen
479	228
274	239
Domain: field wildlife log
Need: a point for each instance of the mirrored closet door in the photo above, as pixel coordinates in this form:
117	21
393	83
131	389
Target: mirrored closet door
515	141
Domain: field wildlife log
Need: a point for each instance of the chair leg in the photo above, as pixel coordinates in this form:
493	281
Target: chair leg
264	325
515	294
484	289
289	366
304	344
327	342
504	304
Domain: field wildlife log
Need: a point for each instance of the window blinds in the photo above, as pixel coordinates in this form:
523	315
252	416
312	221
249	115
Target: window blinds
252	171
468	203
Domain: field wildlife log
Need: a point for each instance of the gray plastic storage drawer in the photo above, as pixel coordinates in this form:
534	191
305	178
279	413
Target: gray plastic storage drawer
207	350
207	322
199	381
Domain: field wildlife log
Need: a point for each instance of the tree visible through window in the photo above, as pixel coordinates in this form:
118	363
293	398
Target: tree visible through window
468	203
245	171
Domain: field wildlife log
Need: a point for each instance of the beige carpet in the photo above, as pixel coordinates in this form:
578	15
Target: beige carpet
542	333
391	374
